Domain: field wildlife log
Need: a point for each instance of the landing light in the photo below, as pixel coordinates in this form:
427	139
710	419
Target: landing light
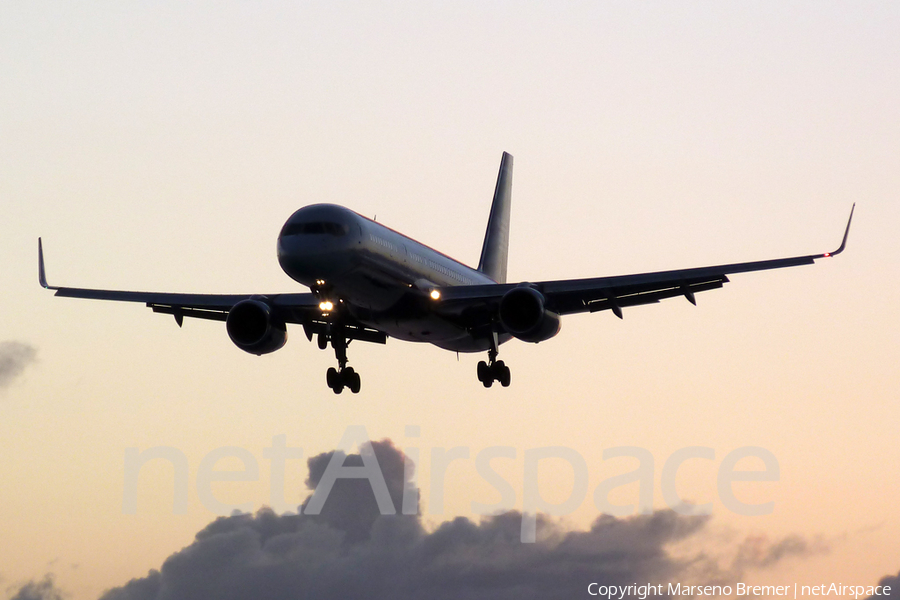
326	306
435	295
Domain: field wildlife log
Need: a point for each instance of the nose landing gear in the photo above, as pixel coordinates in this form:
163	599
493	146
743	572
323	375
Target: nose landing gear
343	376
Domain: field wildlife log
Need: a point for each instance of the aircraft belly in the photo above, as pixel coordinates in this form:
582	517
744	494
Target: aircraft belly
374	283
432	329
424	328
369	289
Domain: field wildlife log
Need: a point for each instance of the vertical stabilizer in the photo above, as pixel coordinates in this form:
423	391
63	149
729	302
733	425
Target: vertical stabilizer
494	251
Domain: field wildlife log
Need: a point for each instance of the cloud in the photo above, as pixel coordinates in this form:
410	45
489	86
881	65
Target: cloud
14	357
894	582
350	550
351	505
758	552
44	589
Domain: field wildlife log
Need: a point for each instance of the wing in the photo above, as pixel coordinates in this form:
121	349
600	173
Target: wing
301	309
612	293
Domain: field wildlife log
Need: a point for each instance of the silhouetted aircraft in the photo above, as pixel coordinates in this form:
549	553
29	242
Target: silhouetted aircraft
369	282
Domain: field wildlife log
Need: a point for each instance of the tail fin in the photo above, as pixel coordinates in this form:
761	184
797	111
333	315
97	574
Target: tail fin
494	251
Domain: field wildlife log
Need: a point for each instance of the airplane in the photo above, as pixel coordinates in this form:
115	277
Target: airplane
368	283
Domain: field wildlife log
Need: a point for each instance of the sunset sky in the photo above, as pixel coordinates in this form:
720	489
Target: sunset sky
161	146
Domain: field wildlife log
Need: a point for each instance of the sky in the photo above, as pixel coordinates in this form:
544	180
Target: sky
161	146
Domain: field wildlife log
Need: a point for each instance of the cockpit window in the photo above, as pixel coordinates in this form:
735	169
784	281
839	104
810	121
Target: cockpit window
313	227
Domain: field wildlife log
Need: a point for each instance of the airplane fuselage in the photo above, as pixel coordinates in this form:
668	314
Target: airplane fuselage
381	277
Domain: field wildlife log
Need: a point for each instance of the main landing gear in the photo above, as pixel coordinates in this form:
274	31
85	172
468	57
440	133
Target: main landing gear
346	377
343	376
493	370
488	373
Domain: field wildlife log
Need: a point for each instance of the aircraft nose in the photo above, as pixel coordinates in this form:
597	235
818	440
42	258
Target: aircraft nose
307	259
316	243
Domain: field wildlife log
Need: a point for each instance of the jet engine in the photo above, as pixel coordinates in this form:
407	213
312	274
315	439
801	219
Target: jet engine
523	315
253	327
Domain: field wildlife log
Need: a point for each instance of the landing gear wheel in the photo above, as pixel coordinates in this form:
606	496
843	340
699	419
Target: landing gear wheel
343	378
484	372
322	340
501	373
334	379
351	379
488	373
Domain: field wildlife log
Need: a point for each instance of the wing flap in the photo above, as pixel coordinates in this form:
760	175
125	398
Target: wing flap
636	298
351	331
180	312
208	301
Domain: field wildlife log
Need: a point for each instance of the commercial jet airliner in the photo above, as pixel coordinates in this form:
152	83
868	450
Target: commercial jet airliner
368	283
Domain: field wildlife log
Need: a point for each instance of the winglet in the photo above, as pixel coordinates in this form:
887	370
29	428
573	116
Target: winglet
42	274
846	233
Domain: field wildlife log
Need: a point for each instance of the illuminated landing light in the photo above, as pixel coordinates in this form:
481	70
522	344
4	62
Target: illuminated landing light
326	306
320	282
435	295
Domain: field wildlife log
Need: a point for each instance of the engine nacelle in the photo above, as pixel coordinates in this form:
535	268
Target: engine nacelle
523	315
253	328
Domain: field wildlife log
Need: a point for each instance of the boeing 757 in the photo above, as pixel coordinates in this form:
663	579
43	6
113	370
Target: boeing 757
368	282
